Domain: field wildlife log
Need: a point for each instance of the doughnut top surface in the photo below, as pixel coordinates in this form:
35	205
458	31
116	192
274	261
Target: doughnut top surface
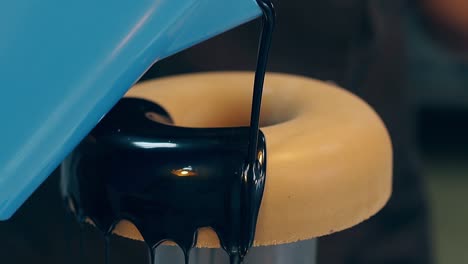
329	154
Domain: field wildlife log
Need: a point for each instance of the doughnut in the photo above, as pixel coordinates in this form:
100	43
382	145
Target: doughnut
329	154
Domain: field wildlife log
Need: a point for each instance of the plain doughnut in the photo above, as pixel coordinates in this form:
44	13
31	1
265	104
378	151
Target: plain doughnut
329	154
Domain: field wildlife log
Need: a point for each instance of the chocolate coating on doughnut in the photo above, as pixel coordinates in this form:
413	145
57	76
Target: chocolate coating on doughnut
169	181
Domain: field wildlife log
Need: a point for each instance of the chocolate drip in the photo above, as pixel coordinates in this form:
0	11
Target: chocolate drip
170	181
82	250
151	255
107	249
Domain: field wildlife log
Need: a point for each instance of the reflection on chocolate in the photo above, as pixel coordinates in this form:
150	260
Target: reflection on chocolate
170	181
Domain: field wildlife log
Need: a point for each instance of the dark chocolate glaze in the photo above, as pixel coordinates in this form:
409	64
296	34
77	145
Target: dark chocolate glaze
268	21
170	181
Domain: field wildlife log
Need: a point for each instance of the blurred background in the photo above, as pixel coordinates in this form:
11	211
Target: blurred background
407	58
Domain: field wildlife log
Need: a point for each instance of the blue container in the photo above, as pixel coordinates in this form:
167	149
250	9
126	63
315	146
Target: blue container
64	64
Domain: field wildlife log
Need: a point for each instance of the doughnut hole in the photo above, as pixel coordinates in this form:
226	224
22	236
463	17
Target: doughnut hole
230	106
